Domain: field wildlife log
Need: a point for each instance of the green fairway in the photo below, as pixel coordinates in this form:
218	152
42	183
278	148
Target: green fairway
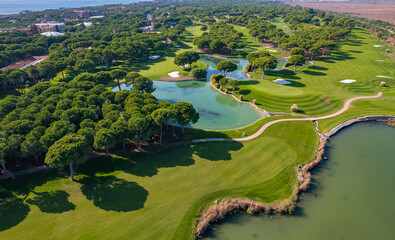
116	197
159	68
311	86
279	22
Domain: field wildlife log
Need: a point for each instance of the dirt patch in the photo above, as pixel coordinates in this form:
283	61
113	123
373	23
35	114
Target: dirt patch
380	11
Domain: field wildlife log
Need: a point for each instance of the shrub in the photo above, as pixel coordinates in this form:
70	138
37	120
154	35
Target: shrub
216	77
203	28
223	82
248	68
198	65
383	84
198	73
294	108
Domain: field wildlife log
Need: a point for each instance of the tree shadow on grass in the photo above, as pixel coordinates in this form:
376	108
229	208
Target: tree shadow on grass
183	45
326	60
147	164
143	164
248	82
314	73
315	67
216	151
295	84
113	194
244	92
12	210
283	74
52	202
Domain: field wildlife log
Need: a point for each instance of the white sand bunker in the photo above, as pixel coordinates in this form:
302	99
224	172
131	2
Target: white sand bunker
379	60
377	46
243	28
381	76
239	49
154	57
348	81
177	46
174	74
281	81
271	50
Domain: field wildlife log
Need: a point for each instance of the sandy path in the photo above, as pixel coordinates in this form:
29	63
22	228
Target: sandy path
263	128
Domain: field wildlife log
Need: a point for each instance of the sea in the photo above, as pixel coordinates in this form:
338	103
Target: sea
17	6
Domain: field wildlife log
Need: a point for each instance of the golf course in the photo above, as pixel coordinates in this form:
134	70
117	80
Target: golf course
247	143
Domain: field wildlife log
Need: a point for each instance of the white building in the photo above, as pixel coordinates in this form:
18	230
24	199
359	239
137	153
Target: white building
50	27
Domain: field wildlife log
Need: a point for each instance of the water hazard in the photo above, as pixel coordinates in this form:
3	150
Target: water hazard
217	111
352	195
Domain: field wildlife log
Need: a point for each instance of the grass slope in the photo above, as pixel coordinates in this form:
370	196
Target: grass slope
312	85
155	195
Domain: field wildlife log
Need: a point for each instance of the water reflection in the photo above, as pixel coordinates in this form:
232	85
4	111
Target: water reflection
217	111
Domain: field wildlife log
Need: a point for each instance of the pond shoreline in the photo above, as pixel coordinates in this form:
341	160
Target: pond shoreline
240	101
180	79
225	207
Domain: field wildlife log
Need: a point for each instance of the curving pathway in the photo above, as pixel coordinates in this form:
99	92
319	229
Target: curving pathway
263	128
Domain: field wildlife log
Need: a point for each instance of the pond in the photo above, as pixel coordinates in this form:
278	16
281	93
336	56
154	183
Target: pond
217	111
352	195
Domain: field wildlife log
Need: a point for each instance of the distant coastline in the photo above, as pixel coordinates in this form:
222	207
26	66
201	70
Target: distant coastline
15	7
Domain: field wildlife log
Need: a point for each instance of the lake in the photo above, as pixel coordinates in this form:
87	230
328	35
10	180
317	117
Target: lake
217	111
352	195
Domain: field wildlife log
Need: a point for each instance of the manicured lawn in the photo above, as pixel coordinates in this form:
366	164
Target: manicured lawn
313	85
156	69
252	45
195	133
155	195
279	22
383	106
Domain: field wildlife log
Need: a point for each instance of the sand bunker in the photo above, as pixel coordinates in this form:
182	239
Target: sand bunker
381	76
281	81
154	57
239	49
348	81
271	50
177	46
174	74
379	60
377	46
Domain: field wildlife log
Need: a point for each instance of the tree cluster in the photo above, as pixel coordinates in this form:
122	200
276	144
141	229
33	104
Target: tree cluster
62	122
221	36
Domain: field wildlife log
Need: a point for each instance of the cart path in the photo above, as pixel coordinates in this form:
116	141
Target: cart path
263	128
